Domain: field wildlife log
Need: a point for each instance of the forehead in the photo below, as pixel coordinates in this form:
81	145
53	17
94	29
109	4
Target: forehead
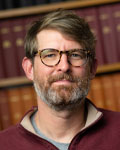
50	38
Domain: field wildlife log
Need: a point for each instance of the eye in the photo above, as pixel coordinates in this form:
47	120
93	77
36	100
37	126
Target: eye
49	54
76	55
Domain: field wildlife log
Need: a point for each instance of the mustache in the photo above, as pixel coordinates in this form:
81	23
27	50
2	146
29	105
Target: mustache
63	76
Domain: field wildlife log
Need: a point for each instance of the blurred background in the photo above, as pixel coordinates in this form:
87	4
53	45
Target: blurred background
17	94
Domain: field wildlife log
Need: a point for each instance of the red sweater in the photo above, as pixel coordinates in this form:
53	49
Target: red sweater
102	134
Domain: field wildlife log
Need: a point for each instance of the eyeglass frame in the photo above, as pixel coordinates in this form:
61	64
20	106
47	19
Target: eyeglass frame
88	54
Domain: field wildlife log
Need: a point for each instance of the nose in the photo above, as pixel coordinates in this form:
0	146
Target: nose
63	65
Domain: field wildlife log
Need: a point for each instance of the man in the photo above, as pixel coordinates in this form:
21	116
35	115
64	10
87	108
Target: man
60	60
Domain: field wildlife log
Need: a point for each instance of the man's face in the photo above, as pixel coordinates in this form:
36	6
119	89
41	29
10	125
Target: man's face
62	86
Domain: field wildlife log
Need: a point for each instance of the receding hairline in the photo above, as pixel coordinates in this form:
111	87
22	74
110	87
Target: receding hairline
64	35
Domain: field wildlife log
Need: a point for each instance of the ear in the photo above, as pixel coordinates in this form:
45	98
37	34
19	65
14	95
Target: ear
93	69
28	68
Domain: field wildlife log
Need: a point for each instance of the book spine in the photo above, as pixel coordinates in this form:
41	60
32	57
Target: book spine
116	18
23	3
89	96
2	68
116	86
110	98
0	125
39	2
79	12
8	4
9	51
97	92
15	104
108	34
18	34
34	96
91	16
27	98
1	5
4	110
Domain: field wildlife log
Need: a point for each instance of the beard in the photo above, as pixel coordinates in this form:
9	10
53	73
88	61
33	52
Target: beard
63	97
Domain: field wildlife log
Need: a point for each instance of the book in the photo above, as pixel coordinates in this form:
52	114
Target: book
34	96
116	86
97	92
116	20
2	68
4	110
8	4
79	12
27	21
108	34
24	3
18	34
89	96
91	16
109	94
27	98
8	49
1	5
39	2
15	104
0	125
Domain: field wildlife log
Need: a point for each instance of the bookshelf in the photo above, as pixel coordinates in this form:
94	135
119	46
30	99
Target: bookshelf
41	9
50	7
16	82
108	68
111	68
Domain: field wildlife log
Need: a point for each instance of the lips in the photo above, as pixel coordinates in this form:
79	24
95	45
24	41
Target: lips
61	78
62	82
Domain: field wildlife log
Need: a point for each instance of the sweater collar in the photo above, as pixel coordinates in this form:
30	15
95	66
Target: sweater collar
93	116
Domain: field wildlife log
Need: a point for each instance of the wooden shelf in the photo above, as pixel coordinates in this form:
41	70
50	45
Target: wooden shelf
47	8
14	81
50	7
23	80
108	68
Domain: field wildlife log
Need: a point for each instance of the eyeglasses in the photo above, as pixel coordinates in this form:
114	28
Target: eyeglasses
51	57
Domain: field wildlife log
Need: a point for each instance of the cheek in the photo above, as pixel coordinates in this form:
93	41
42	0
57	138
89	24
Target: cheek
81	71
41	72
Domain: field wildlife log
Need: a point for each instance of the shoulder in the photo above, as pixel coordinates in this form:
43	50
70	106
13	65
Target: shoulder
9	131
111	119
110	114
12	133
12	137
107	115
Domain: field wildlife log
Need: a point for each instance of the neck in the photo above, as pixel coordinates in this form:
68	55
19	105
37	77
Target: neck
60	126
